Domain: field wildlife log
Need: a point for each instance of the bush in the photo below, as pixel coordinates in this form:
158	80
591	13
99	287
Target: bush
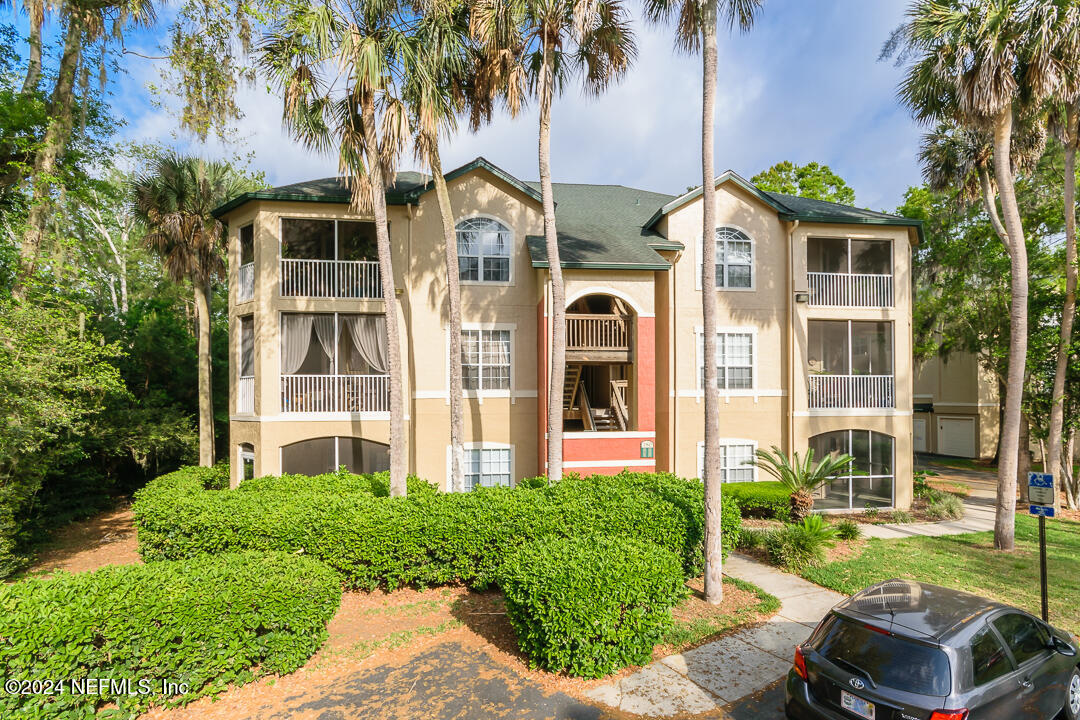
848	530
336	483
921	487
207	622
590	605
798	546
425	539
768	500
901	517
943	506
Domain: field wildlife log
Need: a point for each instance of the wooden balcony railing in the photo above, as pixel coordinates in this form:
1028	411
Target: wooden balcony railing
330	278
852	392
591	332
850	290
335	393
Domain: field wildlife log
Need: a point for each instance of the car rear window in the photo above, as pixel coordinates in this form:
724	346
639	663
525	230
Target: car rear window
888	660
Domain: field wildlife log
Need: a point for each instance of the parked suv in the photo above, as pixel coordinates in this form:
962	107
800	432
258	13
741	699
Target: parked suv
903	650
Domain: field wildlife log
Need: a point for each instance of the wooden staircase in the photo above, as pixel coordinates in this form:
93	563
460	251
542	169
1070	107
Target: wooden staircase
571	382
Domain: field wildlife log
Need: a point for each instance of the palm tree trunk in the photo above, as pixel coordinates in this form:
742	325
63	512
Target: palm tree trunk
206	399
714	569
1005	519
57	135
1023	456
990	205
558	292
1053	460
398	466
453	289
36	11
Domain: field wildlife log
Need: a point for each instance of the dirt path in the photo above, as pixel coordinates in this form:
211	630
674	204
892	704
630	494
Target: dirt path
105	539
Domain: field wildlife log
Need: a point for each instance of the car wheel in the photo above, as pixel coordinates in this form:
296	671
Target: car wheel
1072	696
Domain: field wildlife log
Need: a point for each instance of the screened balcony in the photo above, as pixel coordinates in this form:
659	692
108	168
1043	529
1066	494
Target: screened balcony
246	279
850	365
334	363
849	273
329	258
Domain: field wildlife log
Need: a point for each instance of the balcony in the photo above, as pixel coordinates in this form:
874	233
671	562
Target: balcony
850	290
596	337
852	392
335	393
246	290
358	279
245	395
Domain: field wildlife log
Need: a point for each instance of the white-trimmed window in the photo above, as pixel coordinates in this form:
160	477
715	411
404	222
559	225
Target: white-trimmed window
735	359
488	467
736	460
485	359
484	250
734	260
247	461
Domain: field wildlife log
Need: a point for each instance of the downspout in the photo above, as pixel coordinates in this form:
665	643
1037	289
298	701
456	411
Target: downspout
791	338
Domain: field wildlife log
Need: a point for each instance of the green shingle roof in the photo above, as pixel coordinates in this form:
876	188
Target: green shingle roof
601	226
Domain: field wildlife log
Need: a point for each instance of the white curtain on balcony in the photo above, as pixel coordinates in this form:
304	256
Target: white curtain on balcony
324	333
368	333
295	341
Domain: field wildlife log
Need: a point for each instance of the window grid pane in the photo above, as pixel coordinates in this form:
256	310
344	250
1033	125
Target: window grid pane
485	359
734	361
734	259
483	250
487	468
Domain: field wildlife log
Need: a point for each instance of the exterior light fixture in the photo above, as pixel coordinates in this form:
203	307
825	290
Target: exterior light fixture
802	297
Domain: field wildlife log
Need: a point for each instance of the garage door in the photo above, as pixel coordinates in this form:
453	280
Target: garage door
919	427
956	436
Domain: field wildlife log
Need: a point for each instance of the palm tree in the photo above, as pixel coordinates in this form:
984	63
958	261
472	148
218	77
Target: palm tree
800	476
980	65
175	199
542	44
342	68
696	30
434	95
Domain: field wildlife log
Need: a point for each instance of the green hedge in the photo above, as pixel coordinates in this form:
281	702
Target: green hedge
769	499
426	538
590	605
375	484
207	622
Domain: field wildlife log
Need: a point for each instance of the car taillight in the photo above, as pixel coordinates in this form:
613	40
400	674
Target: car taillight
949	715
800	665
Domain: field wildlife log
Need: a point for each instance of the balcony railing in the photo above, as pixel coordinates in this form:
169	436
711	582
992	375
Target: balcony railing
597	332
330	278
850	290
854	392
335	393
245	395
246	291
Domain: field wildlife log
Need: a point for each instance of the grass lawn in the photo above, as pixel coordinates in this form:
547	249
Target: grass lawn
969	562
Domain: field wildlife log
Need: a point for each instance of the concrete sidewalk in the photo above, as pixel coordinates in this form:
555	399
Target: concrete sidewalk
978	516
721	672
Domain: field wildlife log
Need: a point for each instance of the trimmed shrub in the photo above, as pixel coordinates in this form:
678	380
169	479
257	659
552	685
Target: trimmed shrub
589	606
768	500
207	622
424	539
801	545
848	530
337	483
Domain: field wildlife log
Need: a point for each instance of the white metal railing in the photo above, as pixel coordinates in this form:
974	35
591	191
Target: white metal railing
330	278
852	391
246	291
850	290
245	395
335	393
597	332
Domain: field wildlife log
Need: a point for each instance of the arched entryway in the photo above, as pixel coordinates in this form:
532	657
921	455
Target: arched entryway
598	389
326	454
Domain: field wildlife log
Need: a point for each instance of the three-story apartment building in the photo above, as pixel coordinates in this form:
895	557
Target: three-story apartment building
814	346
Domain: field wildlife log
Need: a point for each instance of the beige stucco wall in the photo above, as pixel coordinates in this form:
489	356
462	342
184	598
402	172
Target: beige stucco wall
959	387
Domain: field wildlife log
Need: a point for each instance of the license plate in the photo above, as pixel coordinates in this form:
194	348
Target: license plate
855	704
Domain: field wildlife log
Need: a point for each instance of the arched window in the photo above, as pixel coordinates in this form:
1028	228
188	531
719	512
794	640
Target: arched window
247	461
326	454
734	259
871	483
484	250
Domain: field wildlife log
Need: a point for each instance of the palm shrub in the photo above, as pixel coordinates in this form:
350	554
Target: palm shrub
944	506
800	545
848	530
800	476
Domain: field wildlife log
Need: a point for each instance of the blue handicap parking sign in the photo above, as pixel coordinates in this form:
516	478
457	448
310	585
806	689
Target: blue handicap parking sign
1042	480
1044	510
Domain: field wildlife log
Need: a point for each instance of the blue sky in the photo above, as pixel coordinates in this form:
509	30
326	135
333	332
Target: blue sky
803	85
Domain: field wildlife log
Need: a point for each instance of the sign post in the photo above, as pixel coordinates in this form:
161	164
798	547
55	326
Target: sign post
1041	497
